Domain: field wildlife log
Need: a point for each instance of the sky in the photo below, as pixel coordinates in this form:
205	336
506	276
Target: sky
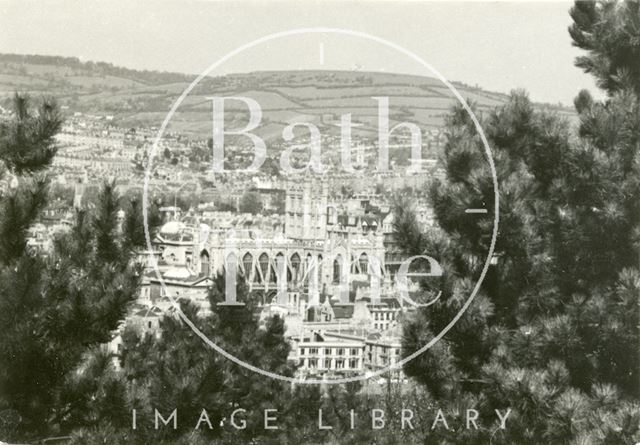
498	46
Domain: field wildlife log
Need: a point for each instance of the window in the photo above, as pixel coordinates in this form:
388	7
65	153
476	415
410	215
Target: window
264	266
204	263
302	351
313	363
353	351
353	363
364	263
337	269
310	266
340	363
275	273
313	351
295	265
327	351
247	263
340	351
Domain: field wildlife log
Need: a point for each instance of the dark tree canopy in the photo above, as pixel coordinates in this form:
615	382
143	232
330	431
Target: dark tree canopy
608	32
251	202
553	333
27	142
57	310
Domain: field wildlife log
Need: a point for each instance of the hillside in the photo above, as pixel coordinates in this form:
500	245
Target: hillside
144	97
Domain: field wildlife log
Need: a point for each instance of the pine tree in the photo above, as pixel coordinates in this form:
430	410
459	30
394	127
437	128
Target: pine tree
57	309
175	369
554	331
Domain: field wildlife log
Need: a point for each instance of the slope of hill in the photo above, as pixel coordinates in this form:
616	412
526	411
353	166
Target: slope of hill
144	97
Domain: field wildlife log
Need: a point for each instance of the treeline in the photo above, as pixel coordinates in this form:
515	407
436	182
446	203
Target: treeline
150	77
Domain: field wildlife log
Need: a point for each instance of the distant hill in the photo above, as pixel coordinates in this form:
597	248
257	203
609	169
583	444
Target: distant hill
136	97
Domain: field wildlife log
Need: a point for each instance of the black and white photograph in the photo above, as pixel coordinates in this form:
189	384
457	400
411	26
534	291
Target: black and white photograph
319	222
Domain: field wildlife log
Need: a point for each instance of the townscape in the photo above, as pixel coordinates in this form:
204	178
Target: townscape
325	227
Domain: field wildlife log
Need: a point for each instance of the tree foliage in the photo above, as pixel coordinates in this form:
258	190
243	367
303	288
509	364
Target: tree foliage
251	202
608	32
57	309
553	332
177	370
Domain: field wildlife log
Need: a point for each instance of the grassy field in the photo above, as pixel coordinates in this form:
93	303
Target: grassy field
144	97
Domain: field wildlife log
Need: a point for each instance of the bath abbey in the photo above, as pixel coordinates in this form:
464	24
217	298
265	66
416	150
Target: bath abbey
327	266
